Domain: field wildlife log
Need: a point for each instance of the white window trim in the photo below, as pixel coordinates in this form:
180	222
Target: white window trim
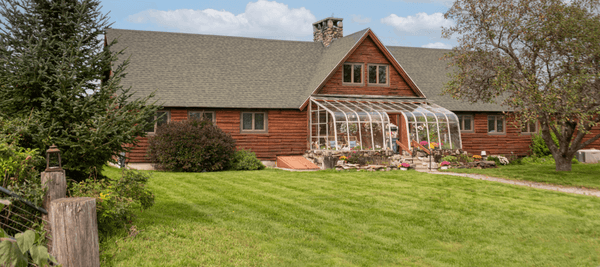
265	123
495	124
214	115
156	122
387	75
462	122
362	76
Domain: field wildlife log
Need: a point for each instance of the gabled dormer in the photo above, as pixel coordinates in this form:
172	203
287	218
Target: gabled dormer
369	69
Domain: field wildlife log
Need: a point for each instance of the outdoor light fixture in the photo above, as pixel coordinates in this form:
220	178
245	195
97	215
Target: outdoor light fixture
53	156
483	154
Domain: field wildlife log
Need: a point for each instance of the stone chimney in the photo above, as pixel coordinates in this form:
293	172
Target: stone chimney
327	30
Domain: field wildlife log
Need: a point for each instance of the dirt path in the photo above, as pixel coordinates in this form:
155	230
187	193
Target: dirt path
553	187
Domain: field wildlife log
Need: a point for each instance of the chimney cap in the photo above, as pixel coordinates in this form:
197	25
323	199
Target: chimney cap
329	18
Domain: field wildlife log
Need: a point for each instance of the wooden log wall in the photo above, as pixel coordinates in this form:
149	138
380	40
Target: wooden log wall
512	141
367	53
287	133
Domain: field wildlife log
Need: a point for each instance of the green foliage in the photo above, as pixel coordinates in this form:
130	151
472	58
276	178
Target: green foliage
538	145
191	146
116	199
17	164
545	160
451	159
495	159
23	249
245	160
56	71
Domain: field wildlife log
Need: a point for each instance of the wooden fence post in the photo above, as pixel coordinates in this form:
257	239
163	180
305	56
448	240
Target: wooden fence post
56	184
75	232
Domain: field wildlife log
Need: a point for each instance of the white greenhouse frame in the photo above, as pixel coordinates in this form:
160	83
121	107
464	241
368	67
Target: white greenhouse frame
367	121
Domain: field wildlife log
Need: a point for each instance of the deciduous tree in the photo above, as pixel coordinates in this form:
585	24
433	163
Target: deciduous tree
540	58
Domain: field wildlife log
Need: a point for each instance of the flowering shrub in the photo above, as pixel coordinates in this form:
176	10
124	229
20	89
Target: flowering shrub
476	157
445	163
423	143
344	158
405	165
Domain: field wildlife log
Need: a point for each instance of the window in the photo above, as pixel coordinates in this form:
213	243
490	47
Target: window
210	115
378	74
161	117
353	73
496	124
465	123
254	122
529	128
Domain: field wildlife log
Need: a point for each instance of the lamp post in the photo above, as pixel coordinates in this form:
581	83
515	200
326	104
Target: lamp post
483	154
53	156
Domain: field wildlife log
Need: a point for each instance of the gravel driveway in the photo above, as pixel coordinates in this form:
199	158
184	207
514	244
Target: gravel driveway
559	188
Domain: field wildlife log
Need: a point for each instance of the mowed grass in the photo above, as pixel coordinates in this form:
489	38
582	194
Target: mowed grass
581	175
328	218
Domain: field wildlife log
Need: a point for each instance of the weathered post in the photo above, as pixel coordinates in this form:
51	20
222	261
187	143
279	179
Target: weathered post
75	232
55	181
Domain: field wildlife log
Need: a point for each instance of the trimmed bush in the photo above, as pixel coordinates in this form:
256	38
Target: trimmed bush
191	146
245	160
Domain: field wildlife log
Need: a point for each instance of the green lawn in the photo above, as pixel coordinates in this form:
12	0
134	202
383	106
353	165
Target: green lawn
327	218
581	175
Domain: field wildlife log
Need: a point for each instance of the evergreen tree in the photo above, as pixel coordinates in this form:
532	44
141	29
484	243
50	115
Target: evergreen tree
56	69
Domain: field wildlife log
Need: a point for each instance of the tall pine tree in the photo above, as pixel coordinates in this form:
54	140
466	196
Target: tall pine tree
56	71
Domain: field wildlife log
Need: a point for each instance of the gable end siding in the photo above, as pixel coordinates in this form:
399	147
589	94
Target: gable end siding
368	53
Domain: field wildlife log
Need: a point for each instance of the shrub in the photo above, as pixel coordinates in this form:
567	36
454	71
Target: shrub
116	200
450	159
545	160
538	146
17	164
191	146
245	160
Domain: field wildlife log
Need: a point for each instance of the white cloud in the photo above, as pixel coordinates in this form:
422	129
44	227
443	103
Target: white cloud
420	24
360	20
260	19
437	45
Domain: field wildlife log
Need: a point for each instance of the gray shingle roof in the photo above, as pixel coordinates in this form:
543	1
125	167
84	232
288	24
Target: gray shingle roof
194	70
429	73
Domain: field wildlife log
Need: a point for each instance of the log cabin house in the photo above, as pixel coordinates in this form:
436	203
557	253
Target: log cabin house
281	98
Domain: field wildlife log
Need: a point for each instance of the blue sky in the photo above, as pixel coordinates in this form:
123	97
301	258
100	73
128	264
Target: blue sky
396	22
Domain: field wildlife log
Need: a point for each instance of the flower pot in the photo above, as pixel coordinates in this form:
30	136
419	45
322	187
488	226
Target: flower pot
403	169
444	167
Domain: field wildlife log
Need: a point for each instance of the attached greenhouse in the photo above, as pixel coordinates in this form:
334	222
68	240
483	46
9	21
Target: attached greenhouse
376	124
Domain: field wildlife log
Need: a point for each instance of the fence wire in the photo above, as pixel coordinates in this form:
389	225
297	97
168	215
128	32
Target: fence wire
19	215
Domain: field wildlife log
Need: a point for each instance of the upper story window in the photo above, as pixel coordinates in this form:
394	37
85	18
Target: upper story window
352	73
465	123
378	74
161	117
529	128
254	122
496	124
209	115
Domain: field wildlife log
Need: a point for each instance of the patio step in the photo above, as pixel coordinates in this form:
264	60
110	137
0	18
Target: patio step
295	163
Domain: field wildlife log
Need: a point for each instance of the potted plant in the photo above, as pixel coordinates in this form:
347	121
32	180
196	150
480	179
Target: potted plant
444	165
404	166
476	157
